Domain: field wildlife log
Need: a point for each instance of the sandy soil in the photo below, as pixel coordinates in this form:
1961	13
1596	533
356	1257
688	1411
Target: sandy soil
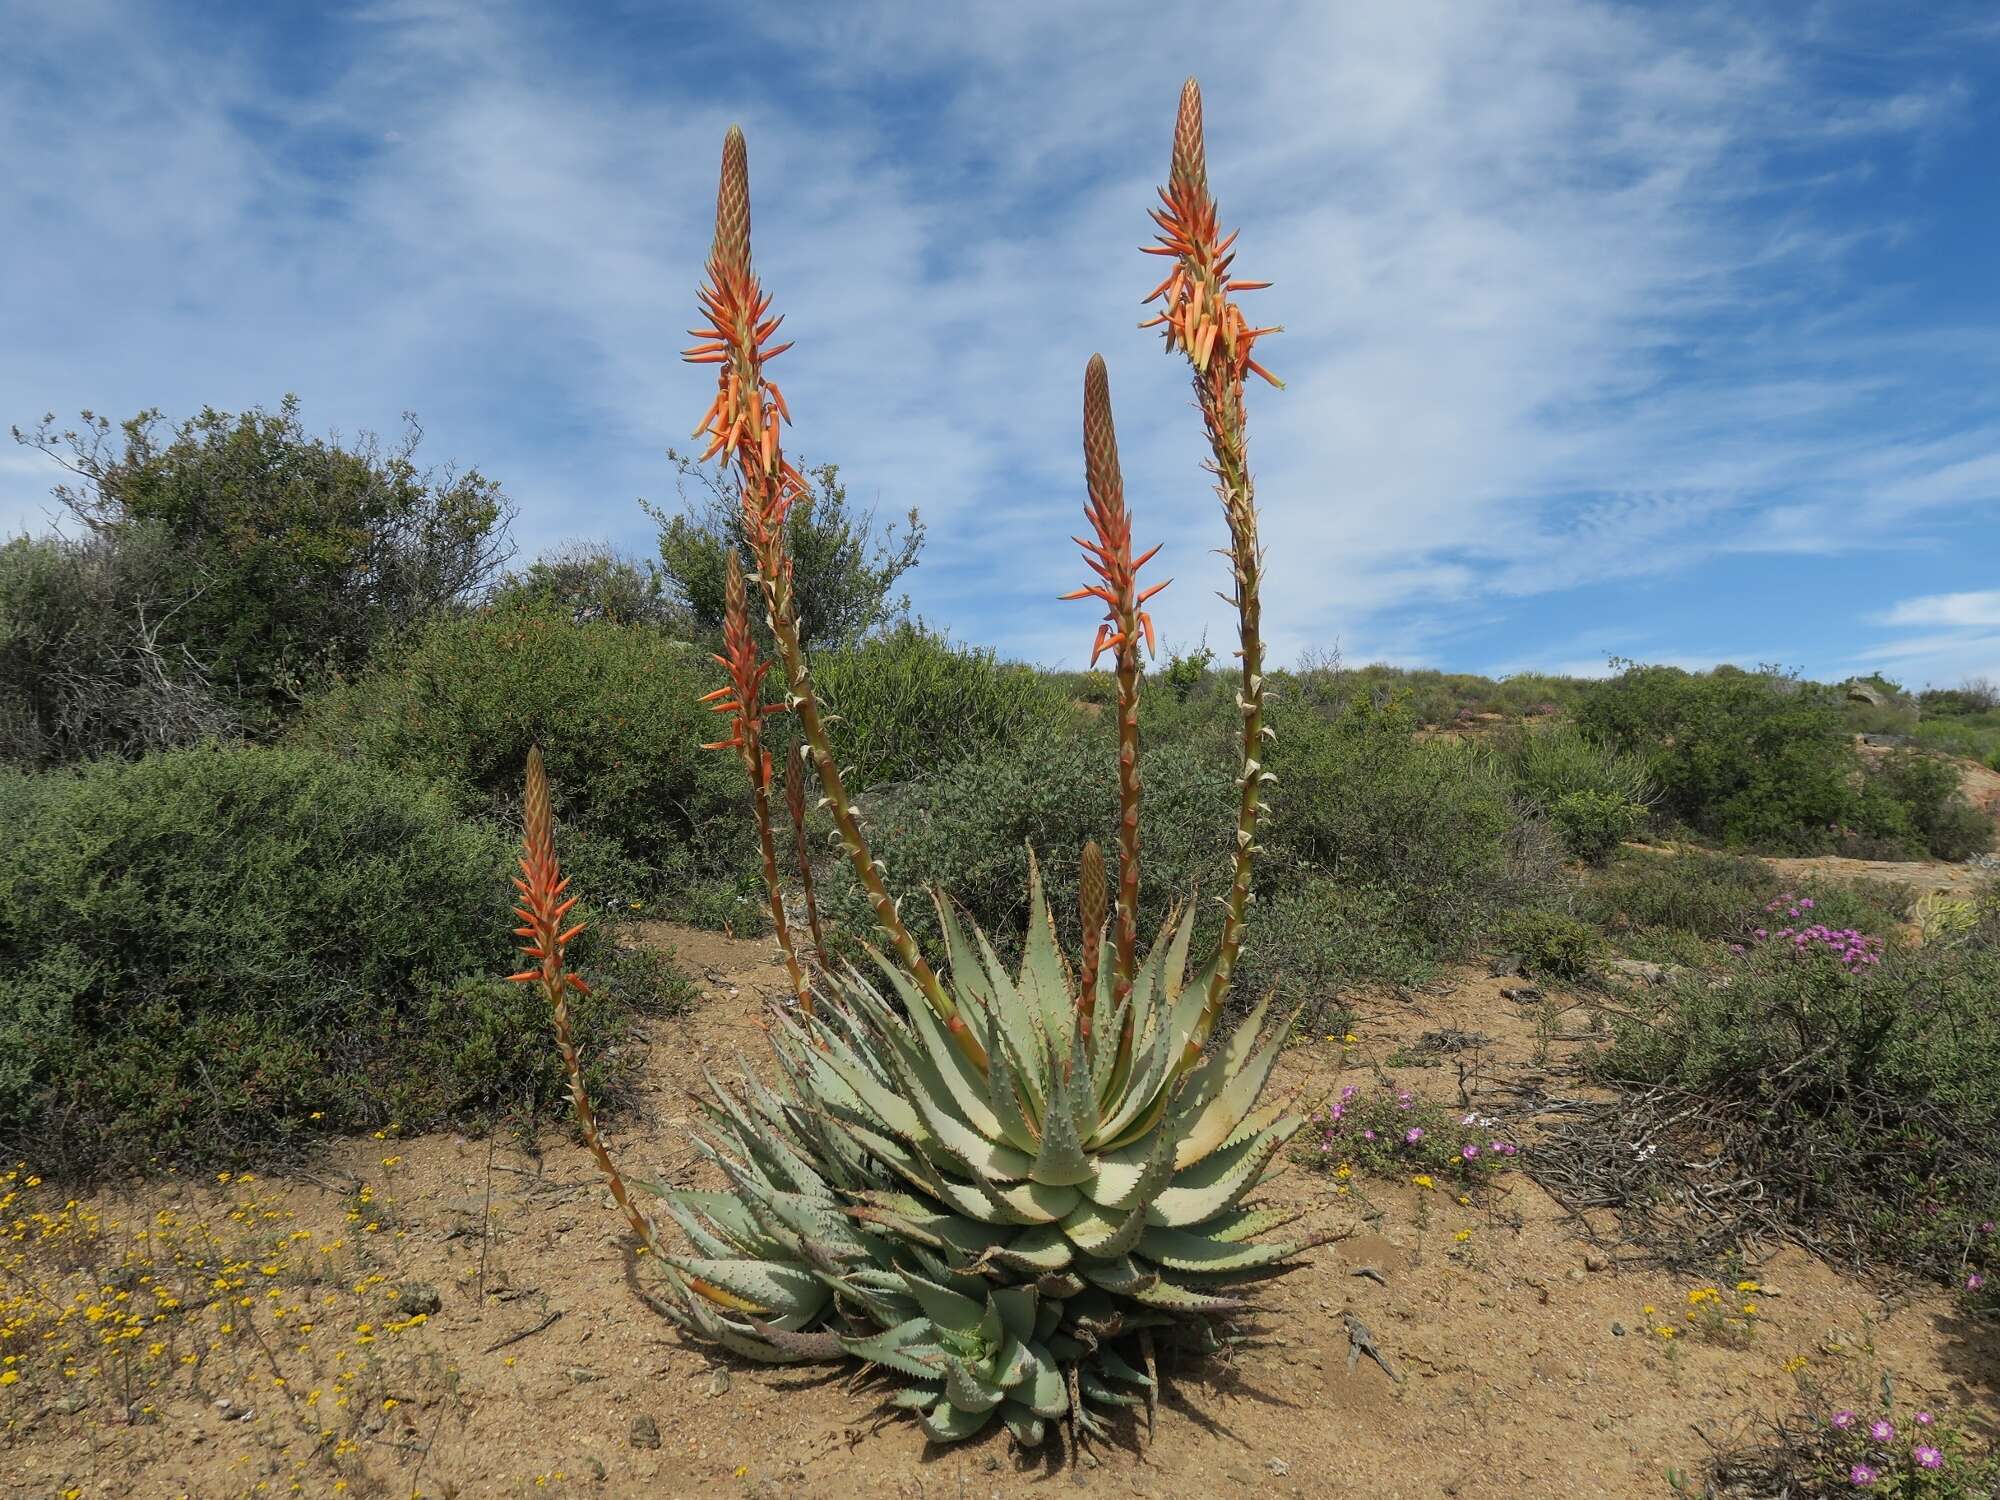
1516	1377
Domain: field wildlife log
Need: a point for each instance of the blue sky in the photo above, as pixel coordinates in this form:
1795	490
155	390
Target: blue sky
1669	332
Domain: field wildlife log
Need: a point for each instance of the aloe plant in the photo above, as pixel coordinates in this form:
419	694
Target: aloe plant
998	1186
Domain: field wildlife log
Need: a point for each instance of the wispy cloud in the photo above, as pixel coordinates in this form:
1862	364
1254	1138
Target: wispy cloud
1974	609
1572	293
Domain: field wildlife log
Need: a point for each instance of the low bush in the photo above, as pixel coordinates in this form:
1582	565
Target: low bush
1752	759
1310	942
969	827
1362	802
1764	760
1863	1098
614	706
220	954
1936	814
1722	897
1596	798
83	672
1552	945
910	701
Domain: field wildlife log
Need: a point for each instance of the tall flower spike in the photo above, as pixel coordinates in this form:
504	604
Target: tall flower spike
1203	321
747	709
1110	558
742	423
543	912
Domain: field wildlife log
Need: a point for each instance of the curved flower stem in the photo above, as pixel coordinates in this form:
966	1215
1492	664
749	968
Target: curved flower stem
747	710
1203	321
743	421
542	913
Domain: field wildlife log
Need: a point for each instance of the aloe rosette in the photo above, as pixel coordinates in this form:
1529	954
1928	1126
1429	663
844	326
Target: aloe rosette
890	1200
999	1185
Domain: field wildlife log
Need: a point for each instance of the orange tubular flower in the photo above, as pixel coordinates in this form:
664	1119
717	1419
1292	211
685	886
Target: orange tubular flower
543	911
1199	316
1202	320
742	421
1110	558
746	668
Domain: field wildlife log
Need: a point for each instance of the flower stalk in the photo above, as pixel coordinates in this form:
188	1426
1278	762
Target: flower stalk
795	805
742	424
543	911
1126	623
1202	320
743	700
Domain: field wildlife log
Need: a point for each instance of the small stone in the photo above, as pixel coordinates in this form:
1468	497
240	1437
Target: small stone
1596	1260
718	1383
582	1376
69	1406
1573	1274
645	1432
1617	1329
417	1298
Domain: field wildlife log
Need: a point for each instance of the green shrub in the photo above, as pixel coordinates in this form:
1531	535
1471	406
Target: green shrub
1593	824
910	702
1936	812
1753	759
1708	895
614	707
843	564
1763	760
81	672
1595	797
1311	941
1552	945
591	581
1972	734
1721	897
1362	802
291	557
1186	672
216	954
968	829
1869	1100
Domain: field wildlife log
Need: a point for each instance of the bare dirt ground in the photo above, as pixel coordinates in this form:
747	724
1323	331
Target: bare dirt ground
1526	1368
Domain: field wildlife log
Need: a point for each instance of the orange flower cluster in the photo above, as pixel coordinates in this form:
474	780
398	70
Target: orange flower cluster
1110	555
542	891
1198	314
542	914
745	415
743	698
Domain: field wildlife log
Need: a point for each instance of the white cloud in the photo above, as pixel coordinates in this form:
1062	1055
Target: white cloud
1978	608
1557	307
